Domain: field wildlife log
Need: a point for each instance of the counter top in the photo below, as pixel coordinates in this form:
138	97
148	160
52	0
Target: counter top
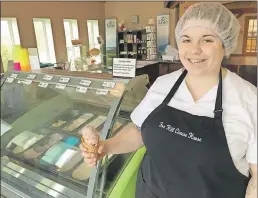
242	60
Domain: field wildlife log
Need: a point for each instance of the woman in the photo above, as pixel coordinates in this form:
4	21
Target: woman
198	125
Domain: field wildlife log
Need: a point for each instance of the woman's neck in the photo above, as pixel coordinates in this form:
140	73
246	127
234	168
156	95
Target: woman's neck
198	86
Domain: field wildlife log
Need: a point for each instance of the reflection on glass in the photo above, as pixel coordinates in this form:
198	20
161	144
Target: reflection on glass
78	122
23	141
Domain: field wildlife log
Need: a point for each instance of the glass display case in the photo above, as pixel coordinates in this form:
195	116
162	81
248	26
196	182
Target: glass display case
41	120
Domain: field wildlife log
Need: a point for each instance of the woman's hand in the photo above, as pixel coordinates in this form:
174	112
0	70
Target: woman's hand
92	158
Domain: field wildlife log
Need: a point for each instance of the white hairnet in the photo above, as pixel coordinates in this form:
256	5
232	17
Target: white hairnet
215	17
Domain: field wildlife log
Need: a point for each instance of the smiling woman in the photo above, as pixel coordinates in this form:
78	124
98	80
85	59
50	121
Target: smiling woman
198	126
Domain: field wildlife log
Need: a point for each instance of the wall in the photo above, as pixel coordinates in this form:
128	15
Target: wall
56	11
145	10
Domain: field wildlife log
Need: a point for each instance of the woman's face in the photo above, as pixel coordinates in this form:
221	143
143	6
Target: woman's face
200	51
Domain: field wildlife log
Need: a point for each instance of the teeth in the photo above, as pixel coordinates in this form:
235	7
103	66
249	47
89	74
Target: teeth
196	61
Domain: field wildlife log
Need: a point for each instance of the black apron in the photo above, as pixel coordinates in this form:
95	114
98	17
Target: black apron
187	155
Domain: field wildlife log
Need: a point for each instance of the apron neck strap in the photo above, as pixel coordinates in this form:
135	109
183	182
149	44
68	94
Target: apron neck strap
175	88
218	105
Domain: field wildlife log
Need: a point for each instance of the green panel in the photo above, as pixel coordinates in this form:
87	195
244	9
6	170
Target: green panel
126	182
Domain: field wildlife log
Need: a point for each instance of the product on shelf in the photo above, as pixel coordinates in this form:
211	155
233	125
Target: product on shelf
23	141
58	123
82	172
77	157
38	149
78	122
65	157
118	90
56	151
117	126
96	122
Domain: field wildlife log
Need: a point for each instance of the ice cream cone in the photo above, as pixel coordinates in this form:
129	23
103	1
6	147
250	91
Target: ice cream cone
90	139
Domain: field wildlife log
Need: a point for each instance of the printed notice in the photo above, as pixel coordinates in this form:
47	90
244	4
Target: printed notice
102	92
43	85
60	86
85	82
31	76
14	75
81	89
9	80
47	77
109	84
124	67
27	82
64	80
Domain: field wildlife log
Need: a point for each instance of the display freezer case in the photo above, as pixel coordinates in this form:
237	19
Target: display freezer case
41	120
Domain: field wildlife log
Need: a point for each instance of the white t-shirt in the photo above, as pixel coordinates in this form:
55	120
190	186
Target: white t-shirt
239	103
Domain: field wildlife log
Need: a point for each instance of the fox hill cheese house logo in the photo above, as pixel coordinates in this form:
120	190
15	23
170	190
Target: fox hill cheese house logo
177	131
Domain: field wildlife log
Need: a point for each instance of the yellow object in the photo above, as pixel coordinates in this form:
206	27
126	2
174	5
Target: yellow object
16	52
24	60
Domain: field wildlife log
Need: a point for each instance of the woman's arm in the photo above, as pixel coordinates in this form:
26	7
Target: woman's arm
251	191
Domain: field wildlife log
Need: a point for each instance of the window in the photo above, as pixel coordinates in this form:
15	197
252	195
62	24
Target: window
9	38
250	36
93	33
71	33
44	37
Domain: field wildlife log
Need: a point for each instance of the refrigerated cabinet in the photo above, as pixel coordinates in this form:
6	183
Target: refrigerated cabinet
41	120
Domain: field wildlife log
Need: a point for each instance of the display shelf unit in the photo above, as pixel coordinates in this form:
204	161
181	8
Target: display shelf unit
132	44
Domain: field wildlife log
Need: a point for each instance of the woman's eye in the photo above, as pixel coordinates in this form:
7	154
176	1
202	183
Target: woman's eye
186	41
207	41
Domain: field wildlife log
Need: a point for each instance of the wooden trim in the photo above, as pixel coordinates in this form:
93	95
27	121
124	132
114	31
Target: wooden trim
243	10
247	18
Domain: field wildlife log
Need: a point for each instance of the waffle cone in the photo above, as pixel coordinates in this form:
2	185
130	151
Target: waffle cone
89	147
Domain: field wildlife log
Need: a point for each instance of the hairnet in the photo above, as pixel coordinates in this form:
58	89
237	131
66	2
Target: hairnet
215	17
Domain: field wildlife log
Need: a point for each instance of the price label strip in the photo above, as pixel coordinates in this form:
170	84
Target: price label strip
60	86
43	85
85	82
109	84
47	77
31	76
102	92
14	75
64	80
9	80
81	89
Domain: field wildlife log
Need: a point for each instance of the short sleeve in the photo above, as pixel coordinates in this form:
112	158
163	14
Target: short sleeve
251	154
152	100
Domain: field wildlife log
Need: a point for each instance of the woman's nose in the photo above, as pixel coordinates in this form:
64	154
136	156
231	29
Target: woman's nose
195	48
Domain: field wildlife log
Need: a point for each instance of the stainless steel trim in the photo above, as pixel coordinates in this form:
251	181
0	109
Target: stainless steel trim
41	183
94	173
11	192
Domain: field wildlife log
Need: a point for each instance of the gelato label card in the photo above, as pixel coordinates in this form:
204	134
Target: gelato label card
27	82
9	80
43	85
109	84
85	82
102	92
14	75
60	86
81	89
64	80
31	76
47	77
